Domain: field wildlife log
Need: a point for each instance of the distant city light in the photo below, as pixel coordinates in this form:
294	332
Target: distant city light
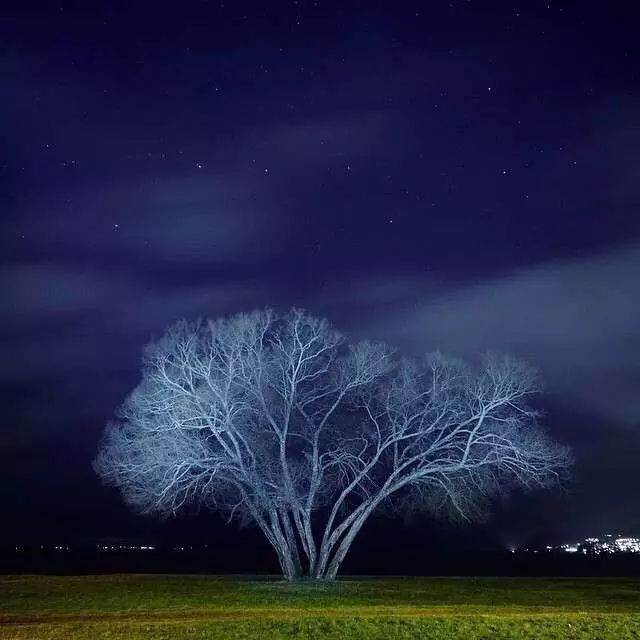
609	544
118	546
125	547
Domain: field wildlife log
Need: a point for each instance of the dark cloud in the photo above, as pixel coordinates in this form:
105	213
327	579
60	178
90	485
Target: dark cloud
61	319
201	219
576	319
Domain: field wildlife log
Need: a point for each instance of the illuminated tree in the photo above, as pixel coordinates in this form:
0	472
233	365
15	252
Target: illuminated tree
278	420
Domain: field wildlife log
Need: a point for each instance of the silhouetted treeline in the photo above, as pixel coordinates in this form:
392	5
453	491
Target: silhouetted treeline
80	560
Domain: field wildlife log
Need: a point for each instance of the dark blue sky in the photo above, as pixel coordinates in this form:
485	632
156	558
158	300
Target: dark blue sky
459	175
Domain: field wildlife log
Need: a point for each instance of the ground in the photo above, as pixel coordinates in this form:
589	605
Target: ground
170	607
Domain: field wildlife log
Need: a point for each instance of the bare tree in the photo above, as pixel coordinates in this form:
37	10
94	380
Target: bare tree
278	420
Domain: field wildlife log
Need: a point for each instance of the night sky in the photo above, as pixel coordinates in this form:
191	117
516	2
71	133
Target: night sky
459	175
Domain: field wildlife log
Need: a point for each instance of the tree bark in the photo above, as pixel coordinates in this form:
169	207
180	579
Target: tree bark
282	548
292	543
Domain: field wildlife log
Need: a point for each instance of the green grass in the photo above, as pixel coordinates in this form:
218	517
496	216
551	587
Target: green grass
171	607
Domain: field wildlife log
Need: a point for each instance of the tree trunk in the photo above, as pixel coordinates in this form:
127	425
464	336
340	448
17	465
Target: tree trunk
340	554
323	565
285	554
292	543
330	571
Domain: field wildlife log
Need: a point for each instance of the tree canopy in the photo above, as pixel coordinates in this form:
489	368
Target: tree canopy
279	420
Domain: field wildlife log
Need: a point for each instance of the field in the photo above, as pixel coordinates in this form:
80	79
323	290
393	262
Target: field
191	607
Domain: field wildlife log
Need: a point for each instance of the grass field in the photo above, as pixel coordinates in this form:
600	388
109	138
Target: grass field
170	607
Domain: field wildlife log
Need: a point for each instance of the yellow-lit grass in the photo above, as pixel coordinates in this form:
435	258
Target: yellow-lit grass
171	607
